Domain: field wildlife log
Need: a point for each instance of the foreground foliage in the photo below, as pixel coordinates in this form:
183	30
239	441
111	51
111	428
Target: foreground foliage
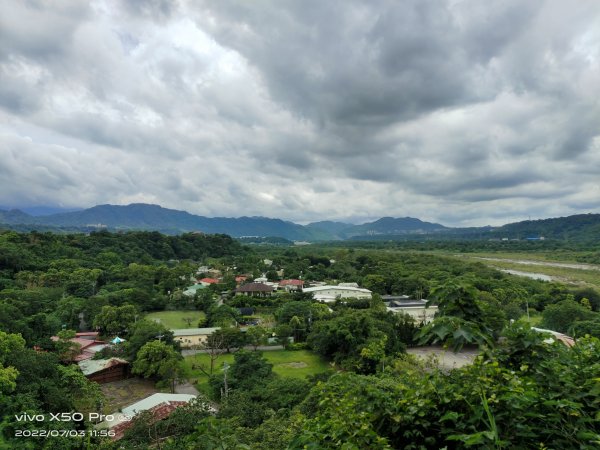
525	394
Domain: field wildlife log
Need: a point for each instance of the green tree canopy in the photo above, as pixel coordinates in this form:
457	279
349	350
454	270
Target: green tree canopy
157	359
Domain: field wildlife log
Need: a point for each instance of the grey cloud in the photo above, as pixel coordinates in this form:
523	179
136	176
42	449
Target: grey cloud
39	29
304	110
154	9
13	96
347	62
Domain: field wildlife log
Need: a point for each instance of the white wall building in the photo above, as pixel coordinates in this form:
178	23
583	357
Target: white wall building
332	293
417	309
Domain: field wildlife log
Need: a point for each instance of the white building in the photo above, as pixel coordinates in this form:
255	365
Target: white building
332	293
417	309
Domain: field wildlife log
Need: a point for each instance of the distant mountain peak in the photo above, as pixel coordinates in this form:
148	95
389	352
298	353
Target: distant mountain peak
144	216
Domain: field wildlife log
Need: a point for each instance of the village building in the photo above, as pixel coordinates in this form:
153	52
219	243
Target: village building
329	294
255	290
190	291
159	405
291	285
105	370
240	279
208	281
415	308
191	337
88	345
202	269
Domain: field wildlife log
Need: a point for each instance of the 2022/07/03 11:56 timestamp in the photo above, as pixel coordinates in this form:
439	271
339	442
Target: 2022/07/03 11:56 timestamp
42	433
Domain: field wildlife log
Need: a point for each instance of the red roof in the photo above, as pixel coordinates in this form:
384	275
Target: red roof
87	334
241	278
291	283
159	412
209	280
85	344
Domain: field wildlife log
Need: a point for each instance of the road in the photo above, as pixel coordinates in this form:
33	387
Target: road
262	348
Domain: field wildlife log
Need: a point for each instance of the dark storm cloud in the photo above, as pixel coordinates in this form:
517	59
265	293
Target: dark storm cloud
350	62
460	111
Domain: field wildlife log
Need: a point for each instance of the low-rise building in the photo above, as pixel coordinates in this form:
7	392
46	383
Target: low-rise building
191	337
160	407
255	289
88	346
417	309
193	290
330	294
104	370
208	281
291	285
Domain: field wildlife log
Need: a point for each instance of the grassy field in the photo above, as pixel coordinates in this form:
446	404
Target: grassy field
296	364
175	319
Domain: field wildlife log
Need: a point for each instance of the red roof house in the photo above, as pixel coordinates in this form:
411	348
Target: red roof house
291	285
88	347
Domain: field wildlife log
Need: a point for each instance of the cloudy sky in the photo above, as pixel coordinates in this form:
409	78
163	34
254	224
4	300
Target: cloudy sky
460	112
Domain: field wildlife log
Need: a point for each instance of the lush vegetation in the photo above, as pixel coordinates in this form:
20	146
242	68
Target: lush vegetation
343	379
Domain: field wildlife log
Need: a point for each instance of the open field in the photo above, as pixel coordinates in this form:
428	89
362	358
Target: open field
175	319
296	364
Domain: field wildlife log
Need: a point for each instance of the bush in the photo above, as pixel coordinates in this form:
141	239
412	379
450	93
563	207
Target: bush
560	316
297	346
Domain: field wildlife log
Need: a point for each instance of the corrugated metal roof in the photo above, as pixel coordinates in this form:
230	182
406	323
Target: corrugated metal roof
255	287
194	331
91	366
156	399
339	288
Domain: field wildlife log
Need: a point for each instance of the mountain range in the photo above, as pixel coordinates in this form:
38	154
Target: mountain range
140	216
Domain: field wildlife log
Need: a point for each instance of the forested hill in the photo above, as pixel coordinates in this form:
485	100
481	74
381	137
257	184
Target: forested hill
581	227
141	216
36	251
391	225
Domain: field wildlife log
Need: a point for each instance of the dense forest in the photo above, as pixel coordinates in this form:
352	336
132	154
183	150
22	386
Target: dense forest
523	390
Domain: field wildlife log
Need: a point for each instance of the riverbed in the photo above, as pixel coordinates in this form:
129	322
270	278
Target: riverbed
535	276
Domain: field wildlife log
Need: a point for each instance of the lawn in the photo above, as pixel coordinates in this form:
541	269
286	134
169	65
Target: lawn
296	364
175	319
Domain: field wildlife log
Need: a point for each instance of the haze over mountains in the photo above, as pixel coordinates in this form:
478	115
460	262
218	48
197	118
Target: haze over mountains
140	216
